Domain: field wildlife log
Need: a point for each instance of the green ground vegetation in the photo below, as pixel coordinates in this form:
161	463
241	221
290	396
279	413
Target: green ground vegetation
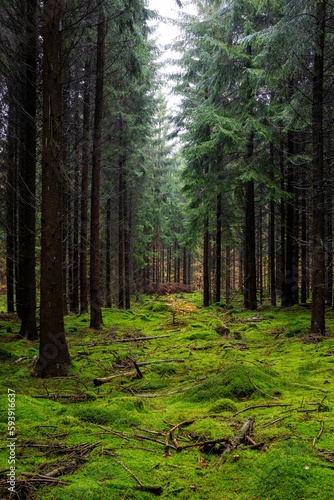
204	373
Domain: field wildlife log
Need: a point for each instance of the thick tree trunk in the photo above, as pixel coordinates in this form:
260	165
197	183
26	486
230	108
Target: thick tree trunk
95	293
318	222
54	358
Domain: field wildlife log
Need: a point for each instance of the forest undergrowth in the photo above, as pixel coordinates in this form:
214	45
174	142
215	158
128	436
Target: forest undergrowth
173	400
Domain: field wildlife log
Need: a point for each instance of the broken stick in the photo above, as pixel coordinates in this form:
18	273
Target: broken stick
157	490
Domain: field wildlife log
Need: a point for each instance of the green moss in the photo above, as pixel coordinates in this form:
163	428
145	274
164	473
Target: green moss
232	382
223	404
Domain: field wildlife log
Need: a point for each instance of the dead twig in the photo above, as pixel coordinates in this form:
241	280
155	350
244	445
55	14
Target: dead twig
260	406
258	388
322	425
157	490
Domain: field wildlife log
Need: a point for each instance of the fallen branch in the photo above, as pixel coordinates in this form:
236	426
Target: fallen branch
114	433
209	443
322	425
157	490
156	361
258	388
172	437
105	380
260	406
273	422
135	339
139	437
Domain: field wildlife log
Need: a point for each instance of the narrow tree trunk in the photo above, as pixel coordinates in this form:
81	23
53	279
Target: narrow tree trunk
304	245
228	274
84	193
218	248
54	358
290	275
27	218
271	231
206	265
121	226
108	253
96	320
318	223
11	202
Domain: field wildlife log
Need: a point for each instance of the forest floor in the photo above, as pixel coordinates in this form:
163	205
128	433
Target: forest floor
230	405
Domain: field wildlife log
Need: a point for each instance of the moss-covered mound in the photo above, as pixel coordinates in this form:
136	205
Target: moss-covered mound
235	381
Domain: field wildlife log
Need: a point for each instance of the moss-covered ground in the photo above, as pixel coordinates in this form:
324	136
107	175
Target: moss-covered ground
229	365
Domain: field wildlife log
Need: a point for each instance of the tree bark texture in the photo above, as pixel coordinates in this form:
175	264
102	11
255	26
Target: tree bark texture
54	358
318	220
95	293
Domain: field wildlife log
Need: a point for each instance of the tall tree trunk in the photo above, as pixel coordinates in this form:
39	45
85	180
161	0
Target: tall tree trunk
84	193
206	265
271	231
304	245
290	276
54	358
95	293
318	222
121	225
11	202
108	253
218	248
27	216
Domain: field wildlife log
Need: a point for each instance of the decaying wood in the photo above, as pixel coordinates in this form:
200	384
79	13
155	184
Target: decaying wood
156	361
269	405
170	434
139	437
274	421
105	380
247	427
258	389
254	319
110	431
156	490
318	436
201	444
139	373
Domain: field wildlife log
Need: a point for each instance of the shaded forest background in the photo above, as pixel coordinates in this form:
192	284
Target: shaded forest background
106	196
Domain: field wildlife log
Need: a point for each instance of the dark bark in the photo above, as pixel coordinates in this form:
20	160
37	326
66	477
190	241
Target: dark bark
121	226
206	265
108	253
318	222
11	202
290	274
54	358
27	181
84	193
271	234
95	293
218	248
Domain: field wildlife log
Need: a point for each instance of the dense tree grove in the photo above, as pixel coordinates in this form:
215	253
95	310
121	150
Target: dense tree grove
105	196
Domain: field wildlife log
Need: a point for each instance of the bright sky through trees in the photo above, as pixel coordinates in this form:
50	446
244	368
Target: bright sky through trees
166	33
